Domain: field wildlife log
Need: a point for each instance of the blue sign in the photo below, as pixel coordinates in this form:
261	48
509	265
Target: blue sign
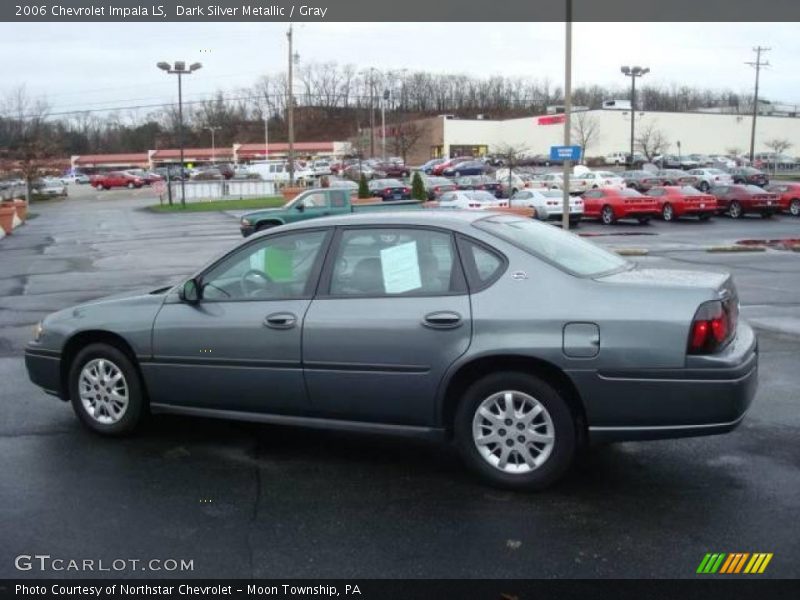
561	153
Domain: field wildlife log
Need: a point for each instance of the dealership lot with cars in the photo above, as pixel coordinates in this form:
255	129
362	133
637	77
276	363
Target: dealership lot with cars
194	484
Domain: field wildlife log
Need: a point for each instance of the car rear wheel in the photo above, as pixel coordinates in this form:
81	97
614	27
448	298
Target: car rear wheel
735	210
131	185
704	187
794	207
516	431
667	212
607	215
105	390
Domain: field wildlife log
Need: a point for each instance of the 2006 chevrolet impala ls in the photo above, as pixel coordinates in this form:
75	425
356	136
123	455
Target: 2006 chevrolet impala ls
521	341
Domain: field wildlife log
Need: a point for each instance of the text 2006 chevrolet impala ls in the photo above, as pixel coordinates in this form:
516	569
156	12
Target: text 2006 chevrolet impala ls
520	340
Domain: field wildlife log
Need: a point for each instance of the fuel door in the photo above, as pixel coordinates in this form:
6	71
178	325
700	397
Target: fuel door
581	340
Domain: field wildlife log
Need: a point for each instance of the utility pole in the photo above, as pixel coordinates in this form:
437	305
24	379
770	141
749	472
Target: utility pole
290	110
567	115
266	134
372	112
633	73
758	64
384	99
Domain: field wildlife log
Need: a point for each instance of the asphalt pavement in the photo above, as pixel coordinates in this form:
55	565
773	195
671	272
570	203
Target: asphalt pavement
243	500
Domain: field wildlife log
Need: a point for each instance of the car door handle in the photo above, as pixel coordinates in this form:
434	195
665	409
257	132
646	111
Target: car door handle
442	320
283	320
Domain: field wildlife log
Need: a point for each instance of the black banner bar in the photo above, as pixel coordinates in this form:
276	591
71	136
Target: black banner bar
711	588
399	11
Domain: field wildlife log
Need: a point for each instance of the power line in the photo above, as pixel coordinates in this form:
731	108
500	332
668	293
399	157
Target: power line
757	64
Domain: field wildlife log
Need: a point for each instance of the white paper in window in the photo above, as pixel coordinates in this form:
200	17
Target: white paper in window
400	266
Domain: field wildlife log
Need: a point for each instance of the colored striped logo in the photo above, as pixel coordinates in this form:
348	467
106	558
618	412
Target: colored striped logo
736	562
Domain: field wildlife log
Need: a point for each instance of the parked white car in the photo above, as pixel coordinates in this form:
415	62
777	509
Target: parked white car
708	178
51	187
74	178
723	162
555	181
278	170
616	158
321	168
470	200
549	204
602	179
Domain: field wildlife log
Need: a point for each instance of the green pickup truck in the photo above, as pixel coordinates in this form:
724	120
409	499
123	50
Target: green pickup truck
320	202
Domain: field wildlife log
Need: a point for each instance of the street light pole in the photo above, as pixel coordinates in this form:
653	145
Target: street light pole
567	115
757	65
266	135
290	110
212	129
179	68
633	73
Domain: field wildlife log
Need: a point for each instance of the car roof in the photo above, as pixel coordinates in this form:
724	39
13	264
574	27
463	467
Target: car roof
450	219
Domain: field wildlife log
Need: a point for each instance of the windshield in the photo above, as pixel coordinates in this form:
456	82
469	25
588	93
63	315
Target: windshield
565	250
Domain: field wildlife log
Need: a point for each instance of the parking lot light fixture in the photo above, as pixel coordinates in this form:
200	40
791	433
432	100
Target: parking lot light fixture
179	68
633	73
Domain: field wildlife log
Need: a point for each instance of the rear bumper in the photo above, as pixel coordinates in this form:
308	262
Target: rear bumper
711	395
44	370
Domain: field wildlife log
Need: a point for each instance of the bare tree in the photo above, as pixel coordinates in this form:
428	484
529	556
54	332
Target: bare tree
511	155
405	136
733	151
778	146
585	130
651	141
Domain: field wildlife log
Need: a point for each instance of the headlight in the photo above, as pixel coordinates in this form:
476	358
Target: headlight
38	330
246	222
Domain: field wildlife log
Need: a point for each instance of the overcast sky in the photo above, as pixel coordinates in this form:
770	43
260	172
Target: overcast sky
86	66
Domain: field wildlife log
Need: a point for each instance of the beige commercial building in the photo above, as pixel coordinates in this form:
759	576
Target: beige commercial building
702	133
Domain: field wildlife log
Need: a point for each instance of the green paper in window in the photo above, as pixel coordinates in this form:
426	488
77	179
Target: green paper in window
278	264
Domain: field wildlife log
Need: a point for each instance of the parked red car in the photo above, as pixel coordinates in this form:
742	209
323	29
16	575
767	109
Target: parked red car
679	201
391	170
788	196
112	179
739	200
438	169
610	204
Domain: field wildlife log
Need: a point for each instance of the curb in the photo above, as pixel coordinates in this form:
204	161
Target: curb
632	251
736	249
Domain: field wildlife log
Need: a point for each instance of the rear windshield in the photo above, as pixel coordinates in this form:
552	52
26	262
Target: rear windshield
754	189
565	250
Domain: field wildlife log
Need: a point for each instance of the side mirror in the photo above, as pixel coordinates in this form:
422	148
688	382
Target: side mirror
301	207
191	292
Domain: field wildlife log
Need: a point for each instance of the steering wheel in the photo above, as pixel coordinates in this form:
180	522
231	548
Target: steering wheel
244	282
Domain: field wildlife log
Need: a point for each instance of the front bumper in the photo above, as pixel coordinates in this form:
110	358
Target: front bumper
44	370
247	229
711	395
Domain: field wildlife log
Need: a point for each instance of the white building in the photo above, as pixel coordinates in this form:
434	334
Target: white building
701	133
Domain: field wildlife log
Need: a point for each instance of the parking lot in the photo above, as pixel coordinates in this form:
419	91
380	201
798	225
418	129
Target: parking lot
245	500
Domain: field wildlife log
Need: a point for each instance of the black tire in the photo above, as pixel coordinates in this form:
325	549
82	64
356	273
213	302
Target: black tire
735	210
106	187
704	187
136	408
265	226
563	422
667	212
607	215
794	207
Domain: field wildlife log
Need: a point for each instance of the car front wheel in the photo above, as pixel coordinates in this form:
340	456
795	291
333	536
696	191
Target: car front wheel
516	431
794	207
667	213
735	210
105	390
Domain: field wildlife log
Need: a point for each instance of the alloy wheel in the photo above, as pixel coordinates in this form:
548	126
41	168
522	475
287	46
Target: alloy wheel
666	212
794	207
513	432
735	210
607	215
103	391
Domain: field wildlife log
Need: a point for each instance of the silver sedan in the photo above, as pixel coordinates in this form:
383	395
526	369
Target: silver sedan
517	340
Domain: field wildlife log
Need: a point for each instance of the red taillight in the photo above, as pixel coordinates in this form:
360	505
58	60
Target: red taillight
436	190
405	190
712	327
387	191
